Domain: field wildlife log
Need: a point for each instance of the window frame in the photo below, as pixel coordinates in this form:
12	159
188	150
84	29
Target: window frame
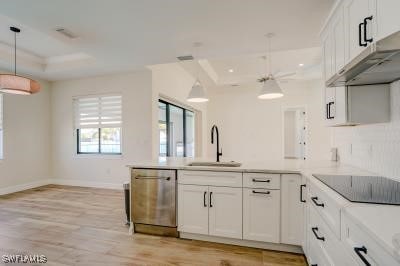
99	143
167	121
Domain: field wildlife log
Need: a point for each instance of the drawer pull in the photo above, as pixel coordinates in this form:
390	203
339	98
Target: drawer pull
314	230
261	192
261	181
314	199
358	251
204	199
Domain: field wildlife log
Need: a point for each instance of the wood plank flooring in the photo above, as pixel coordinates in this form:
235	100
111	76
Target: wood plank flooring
84	226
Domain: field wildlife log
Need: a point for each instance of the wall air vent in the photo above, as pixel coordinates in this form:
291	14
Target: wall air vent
66	33
185	57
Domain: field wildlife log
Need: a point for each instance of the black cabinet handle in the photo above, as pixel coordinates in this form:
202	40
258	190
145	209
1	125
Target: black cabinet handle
329	110
365	30
315	230
211	200
314	199
261	181
360	38
358	251
301	193
204	199
314	265
261	192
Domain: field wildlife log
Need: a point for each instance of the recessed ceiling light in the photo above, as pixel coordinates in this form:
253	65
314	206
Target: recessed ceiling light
301	64
230	70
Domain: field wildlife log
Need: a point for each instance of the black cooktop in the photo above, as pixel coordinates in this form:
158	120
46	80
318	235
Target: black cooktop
365	189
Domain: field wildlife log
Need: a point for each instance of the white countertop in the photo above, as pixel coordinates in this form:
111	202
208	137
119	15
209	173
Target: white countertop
276	166
381	221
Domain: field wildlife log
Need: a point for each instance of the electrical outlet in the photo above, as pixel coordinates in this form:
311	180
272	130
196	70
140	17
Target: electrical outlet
108	171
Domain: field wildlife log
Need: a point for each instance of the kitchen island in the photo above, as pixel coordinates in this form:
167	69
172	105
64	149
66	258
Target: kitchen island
276	205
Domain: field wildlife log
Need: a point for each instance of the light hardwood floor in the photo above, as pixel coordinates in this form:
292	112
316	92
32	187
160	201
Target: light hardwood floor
84	226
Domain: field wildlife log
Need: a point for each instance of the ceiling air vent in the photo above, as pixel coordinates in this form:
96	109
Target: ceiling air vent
185	57
66	33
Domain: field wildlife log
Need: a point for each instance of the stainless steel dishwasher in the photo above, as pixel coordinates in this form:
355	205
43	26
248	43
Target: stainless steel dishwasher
153	201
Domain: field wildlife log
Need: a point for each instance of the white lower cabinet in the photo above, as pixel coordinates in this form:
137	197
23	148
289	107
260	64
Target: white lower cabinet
225	212
193	209
261	214
292	204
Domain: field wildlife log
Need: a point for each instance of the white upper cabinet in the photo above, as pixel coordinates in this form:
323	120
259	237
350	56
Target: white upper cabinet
193	209
292	209
327	54
358	20
225	212
338	42
387	16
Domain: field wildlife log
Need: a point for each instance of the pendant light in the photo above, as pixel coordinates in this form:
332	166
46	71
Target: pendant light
14	84
197	94
270	88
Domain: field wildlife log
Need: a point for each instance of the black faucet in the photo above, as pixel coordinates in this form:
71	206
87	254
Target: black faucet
212	140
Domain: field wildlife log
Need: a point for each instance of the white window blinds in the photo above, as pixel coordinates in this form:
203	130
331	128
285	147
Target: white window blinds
98	112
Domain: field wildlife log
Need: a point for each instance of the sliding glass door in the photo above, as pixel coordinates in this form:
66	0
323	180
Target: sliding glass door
177	130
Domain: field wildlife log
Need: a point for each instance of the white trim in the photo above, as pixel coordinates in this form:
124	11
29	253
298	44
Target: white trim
84	183
242	242
22	187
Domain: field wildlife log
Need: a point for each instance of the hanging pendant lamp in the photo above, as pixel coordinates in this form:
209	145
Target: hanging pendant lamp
270	88
197	94
14	84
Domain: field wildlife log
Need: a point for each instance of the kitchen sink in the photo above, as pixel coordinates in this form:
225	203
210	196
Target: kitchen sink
218	164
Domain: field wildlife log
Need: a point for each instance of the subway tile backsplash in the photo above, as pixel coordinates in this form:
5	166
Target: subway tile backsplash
375	148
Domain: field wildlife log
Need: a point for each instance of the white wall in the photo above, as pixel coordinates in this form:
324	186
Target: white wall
373	147
252	129
175	82
27	140
136	90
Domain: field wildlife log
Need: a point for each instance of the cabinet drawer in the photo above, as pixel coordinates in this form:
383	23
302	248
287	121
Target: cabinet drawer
260	180
326	207
323	239
353	237
209	178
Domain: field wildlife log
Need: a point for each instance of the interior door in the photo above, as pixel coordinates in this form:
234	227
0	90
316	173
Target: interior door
193	209
225	212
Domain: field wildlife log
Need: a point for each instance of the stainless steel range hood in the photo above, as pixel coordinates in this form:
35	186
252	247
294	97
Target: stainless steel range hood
377	64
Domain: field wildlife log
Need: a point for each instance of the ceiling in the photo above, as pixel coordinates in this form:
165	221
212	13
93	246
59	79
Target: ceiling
123	35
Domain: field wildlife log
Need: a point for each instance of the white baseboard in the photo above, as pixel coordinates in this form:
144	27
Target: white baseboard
241	242
21	187
55	181
84	183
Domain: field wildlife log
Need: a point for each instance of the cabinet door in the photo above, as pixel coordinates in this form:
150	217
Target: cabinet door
225	212
193	209
387	13
355	11
292	210
261	215
338	40
327	53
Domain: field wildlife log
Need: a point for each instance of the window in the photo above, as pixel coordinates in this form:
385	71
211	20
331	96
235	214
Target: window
1	126
98	122
177	130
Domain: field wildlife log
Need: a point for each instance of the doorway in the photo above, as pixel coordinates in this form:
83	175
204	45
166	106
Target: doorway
294	128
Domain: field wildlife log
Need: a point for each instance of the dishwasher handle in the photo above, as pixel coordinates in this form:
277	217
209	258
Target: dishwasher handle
153	177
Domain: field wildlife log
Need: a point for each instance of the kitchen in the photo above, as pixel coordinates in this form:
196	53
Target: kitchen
265	144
